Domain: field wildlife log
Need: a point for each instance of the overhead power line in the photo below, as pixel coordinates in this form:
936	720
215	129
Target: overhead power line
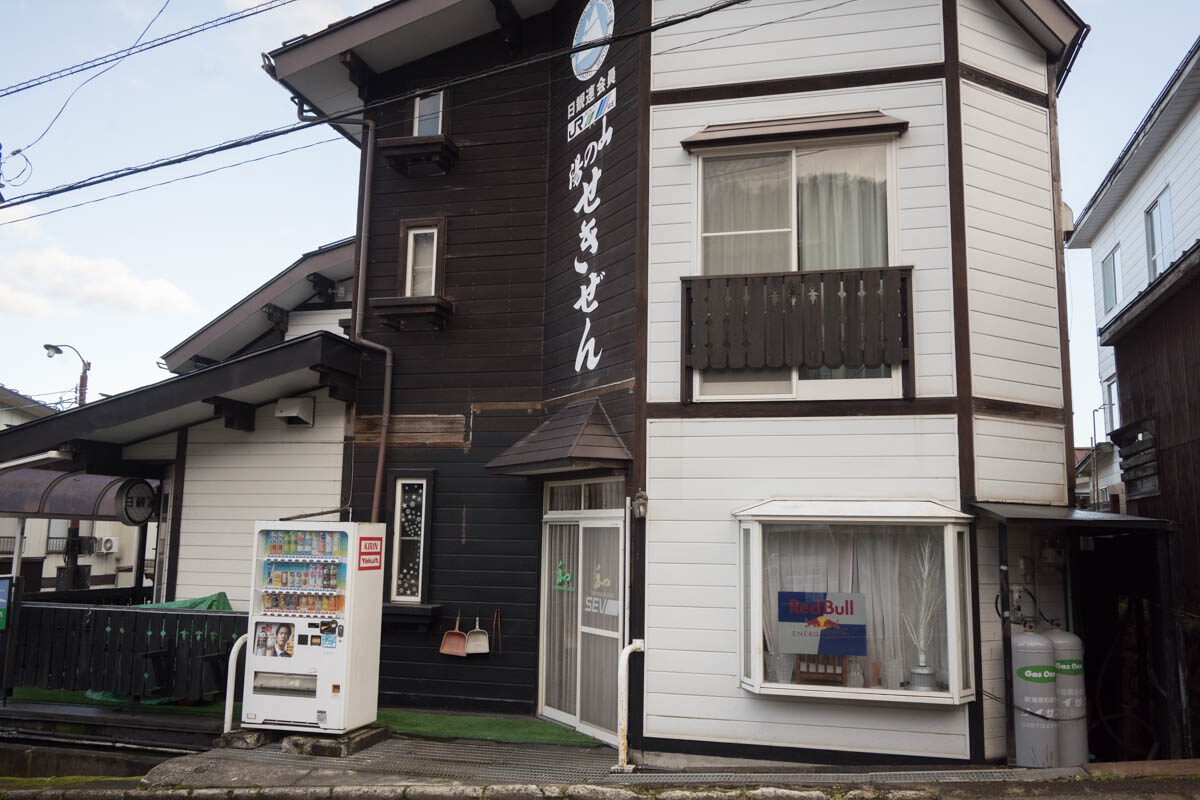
347	114
143	47
63	107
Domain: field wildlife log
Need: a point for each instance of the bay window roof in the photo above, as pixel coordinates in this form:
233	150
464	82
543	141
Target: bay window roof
852	509
774	130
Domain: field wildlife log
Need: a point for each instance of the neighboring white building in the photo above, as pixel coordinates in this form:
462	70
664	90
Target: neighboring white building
1144	214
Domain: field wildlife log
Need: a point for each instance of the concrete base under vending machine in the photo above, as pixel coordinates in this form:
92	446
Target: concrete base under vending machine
335	746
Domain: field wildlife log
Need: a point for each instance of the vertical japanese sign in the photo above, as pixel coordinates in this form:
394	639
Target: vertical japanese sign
587	114
5	592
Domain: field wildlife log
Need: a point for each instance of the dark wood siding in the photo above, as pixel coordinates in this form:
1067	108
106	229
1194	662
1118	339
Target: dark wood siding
505	358
1158	377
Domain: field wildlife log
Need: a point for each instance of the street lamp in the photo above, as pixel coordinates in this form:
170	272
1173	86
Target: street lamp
53	350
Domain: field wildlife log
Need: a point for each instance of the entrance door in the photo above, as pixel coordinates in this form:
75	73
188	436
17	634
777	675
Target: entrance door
581	624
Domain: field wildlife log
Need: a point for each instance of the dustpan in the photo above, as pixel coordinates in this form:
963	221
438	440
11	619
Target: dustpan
454	643
477	640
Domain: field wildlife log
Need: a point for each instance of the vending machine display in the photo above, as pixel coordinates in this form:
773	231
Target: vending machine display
316	596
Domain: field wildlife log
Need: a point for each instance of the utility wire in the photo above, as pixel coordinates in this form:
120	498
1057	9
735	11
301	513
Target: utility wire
751	27
172	180
349	113
141	48
66	102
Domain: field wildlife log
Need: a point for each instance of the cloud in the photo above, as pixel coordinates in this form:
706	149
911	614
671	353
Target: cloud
37	280
26	231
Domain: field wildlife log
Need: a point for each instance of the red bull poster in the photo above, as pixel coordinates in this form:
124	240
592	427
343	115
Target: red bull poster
823	623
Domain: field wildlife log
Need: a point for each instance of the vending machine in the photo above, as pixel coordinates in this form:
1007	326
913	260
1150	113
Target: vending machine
316	596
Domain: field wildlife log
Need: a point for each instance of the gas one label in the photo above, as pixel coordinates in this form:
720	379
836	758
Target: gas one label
370	553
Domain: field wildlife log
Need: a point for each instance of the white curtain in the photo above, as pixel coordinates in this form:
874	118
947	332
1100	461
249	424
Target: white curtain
841	205
747	223
877	562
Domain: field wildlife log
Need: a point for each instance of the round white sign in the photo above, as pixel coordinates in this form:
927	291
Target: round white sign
135	502
595	23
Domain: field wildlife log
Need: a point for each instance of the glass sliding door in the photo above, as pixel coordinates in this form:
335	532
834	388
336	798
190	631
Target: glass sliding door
560	622
600	628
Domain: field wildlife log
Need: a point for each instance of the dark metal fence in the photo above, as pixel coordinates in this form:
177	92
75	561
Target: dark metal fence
135	652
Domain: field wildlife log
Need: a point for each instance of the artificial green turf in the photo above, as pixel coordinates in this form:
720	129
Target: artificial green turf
410	723
60	782
495	729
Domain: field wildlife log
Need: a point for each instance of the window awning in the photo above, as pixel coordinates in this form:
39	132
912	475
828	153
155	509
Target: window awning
851	510
579	437
1065	517
49	494
773	130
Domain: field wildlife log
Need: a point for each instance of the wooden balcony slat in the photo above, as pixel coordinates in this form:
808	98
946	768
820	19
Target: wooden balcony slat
718	309
756	324
699	318
814	344
852	284
872	319
893	325
831	319
775	322
735	322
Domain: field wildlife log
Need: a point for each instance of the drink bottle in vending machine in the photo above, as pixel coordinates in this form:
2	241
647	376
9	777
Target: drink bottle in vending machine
315	606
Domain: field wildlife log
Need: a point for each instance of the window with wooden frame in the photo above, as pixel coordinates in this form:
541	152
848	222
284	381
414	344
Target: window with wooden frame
870	609
427	115
422	257
1110	279
812	228
409	560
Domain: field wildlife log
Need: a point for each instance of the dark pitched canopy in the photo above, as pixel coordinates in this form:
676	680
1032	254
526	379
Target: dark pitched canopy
578	437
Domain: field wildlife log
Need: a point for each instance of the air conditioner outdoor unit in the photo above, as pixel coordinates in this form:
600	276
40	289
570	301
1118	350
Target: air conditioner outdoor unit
106	545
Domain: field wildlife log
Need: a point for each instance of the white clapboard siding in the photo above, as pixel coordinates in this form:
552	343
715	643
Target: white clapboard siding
302	323
233	478
768	39
923	216
1012	276
700	471
991	40
160	448
1177	168
1020	462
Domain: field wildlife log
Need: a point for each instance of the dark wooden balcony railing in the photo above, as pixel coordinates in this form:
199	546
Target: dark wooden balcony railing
58	544
834	318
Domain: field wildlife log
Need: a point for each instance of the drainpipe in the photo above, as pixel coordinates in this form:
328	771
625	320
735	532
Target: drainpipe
636	646
360	298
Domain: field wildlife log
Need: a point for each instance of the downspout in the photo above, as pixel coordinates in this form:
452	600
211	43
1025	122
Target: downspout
360	297
636	646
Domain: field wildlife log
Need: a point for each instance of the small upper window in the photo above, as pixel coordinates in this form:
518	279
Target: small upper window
422	262
1110	277
427	116
1158	234
1112	406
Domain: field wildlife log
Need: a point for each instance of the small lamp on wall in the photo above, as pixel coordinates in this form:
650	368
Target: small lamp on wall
640	500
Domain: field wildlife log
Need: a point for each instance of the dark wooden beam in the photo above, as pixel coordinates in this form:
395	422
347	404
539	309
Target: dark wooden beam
510	23
324	287
361	74
238	416
278	317
341	385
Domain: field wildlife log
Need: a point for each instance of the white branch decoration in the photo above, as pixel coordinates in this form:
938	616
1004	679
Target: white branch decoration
929	594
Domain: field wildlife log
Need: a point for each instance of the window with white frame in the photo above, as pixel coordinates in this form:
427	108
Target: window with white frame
1112	406
1110	279
865	611
1158	234
585	495
408	539
816	206
427	115
422	265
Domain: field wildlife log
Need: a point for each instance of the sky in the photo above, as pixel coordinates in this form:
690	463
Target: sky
126	279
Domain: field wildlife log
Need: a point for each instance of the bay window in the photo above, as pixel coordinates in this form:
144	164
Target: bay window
863	609
817	207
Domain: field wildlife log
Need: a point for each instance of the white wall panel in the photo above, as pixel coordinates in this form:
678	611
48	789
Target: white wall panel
1012	275
233	478
302	323
1019	461
991	40
770	39
699	472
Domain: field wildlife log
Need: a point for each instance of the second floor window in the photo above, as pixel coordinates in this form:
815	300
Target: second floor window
1158	234
1110	279
1112	407
422	262
427	116
815	207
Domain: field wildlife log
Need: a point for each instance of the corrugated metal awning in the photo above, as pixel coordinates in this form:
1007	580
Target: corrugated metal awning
771	130
578	437
50	494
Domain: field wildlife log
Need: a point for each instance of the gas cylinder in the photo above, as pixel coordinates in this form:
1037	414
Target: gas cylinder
1072	698
1034	690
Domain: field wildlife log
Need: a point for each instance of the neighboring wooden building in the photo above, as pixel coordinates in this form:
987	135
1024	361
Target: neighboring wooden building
1143	228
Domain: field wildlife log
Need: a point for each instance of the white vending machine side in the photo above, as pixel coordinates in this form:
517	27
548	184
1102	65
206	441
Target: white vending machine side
316	593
